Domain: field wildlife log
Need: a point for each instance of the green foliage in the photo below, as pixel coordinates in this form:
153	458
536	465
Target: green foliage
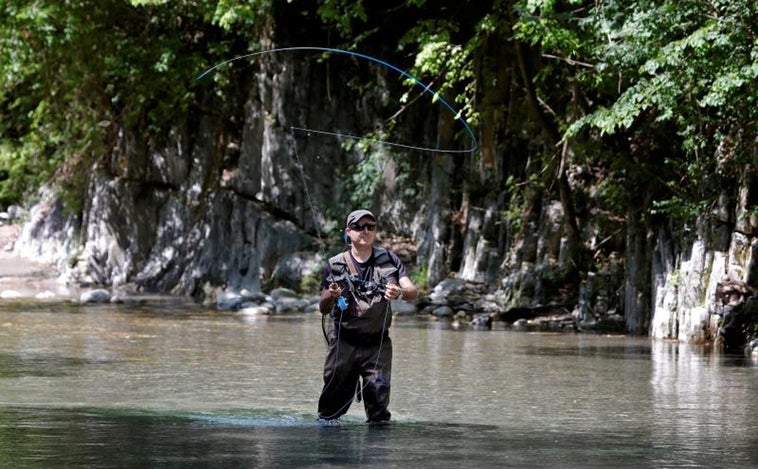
686	66
542	24
420	277
673	77
311	283
565	40
77	71
366	177
231	13
674	279
21	168
345	15
513	215
441	61
681	77
44	113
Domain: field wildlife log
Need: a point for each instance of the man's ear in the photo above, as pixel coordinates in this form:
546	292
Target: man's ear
346	238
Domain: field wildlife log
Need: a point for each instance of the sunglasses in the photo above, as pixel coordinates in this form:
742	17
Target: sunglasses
361	226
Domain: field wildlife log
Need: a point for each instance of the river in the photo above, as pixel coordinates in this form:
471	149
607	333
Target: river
170	384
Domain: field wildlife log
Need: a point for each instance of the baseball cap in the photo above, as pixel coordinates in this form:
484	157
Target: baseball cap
357	215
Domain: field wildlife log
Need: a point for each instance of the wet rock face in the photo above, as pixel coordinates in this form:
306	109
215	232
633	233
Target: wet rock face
737	310
204	206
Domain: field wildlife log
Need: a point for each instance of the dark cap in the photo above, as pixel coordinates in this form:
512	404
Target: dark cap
357	215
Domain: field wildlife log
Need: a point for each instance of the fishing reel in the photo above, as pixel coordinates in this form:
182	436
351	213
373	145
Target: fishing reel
364	287
368	287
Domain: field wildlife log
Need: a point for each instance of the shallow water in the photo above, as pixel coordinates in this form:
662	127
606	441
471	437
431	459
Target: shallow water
175	385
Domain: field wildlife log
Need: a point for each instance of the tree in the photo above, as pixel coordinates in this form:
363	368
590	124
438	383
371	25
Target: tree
75	72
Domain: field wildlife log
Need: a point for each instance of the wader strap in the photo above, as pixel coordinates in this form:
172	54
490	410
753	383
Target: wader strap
354	272
349	262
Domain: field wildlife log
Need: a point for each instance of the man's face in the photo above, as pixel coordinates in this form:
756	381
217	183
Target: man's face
362	232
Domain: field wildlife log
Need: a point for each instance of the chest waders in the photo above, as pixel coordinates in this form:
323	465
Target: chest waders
359	347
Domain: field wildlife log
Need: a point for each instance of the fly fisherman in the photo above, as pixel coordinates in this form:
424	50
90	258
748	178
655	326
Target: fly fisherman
358	285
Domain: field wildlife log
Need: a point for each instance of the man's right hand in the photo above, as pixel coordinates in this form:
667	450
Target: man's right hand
335	290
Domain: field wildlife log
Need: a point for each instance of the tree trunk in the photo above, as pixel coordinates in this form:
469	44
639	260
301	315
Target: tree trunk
553	139
637	278
438	218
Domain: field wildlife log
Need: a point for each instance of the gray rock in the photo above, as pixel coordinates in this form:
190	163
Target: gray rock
443	312
403	308
281	293
291	305
95	296
229	300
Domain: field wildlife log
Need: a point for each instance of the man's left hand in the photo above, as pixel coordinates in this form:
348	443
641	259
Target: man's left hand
393	292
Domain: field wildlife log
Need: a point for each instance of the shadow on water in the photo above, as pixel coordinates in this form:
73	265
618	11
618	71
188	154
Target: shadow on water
15	366
34	437
621	352
156	306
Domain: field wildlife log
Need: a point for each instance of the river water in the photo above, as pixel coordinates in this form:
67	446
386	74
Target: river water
174	385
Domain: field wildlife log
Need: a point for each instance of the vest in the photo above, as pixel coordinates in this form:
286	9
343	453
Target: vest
368	314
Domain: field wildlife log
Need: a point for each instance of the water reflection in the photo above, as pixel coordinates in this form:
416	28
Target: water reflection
702	404
96	438
142	385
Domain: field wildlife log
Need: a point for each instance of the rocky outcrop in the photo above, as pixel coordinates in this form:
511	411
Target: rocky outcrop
707	292
690	301
238	199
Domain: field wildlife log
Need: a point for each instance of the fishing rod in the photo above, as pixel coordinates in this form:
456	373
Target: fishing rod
367	286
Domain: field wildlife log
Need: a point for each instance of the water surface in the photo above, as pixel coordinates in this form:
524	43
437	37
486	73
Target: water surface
172	384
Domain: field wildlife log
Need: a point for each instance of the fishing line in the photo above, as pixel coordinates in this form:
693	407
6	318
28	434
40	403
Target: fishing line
316	219
426	89
338	326
374	140
314	211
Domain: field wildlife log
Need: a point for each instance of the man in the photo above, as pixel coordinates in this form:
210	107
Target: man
358	285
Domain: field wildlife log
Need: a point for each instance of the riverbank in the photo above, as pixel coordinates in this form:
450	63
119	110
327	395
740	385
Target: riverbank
21	277
452	300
